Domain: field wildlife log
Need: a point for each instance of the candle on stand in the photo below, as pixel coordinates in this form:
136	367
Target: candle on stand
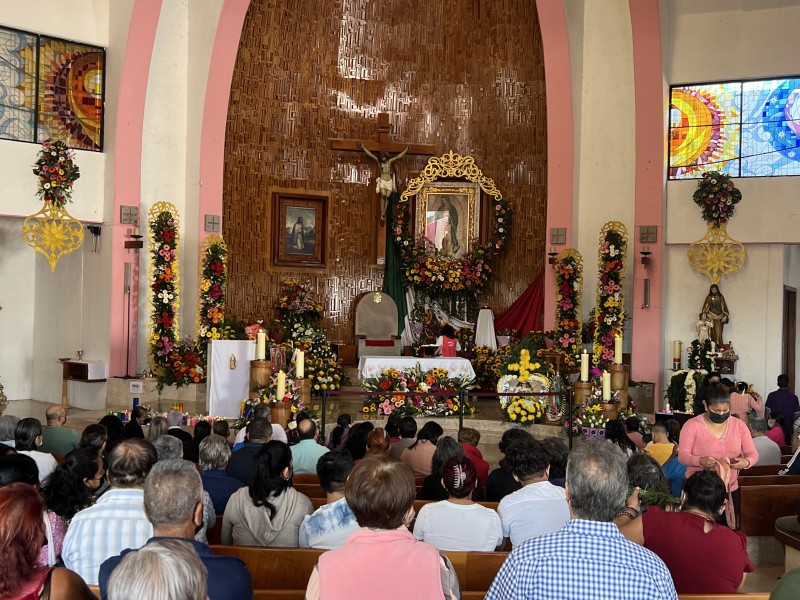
618	350
300	363
606	386
261	345
584	366
676	350
281	385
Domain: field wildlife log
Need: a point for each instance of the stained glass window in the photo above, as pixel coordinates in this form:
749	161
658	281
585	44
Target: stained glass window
51	89
745	129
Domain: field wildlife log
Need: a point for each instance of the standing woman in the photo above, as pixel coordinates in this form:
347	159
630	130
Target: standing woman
713	441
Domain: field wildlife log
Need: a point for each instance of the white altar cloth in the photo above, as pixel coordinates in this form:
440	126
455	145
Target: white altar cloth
373	366
228	387
484	330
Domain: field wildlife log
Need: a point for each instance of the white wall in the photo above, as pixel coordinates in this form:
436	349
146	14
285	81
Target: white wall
791	278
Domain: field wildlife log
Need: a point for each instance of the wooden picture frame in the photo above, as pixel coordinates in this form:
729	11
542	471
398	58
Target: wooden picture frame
448	211
300	224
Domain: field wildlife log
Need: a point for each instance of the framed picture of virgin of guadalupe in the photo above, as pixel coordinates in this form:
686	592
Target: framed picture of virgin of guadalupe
299	228
448	217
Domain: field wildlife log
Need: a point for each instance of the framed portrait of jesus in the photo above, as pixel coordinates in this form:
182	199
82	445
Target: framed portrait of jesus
300	228
448	217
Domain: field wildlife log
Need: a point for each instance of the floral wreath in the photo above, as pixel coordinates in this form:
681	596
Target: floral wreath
716	196
440	275
213	276
57	173
164	276
610	308
569	284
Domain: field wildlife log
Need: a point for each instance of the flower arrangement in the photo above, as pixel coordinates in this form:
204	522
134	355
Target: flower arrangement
610	308
592	417
393	384
184	364
682	389
297	304
321	364
526	410
569	283
164	301
716	196
487	366
211	305
57	173
521	373
441	276
698	355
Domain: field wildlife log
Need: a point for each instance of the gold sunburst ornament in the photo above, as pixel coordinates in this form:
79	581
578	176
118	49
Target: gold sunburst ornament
716	254
52	231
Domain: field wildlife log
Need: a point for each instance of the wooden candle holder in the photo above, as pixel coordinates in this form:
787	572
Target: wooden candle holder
620	377
304	390
581	392
281	413
261	372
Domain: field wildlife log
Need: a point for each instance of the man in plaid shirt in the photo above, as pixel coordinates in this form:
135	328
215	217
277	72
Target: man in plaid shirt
588	557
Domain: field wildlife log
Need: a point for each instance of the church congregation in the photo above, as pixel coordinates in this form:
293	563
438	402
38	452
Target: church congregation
402	299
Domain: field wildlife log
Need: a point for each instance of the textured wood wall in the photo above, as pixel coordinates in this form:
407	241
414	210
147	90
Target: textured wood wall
465	75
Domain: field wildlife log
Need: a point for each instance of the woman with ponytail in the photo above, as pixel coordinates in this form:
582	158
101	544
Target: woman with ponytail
338	436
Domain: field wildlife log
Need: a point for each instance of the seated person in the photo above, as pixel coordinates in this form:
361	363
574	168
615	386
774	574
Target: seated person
380	491
306	452
419	455
501	481
769	453
661	449
433	486
702	556
558	452
442	523
539	507
644	473
779	431
469	439
214	457
331	524
632	430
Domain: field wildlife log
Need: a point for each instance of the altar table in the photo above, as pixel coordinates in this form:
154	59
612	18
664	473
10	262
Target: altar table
373	366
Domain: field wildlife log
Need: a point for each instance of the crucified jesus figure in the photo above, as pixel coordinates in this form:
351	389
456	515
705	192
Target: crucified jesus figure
384	184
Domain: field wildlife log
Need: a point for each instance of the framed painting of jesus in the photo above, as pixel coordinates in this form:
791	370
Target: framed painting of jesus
299	228
448	217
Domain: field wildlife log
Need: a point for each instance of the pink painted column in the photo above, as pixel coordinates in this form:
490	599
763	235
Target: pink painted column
647	350
215	109
558	83
128	179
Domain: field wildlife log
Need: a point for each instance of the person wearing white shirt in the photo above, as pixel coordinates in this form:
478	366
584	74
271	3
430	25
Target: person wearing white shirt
117	520
442	524
28	437
539	507
261	411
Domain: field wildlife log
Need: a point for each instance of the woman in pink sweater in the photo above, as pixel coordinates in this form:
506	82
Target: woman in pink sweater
716	442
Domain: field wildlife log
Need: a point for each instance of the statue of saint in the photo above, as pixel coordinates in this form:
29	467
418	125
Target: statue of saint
385	183
703	327
716	310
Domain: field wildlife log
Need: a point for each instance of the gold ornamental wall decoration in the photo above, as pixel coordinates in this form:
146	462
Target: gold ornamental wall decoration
450	165
716	254
52	232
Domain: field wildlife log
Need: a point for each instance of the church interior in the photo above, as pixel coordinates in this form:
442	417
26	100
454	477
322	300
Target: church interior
338	182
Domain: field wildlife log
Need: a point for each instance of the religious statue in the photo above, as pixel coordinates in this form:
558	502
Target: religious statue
716	310
385	183
703	327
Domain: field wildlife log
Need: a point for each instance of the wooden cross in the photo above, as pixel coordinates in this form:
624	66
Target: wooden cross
382	144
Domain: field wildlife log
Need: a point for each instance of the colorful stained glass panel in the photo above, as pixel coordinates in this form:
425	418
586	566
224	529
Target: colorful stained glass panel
771	128
704	129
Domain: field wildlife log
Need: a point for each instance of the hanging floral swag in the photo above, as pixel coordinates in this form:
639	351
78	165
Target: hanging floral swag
441	276
211	322
610	308
57	173
569	283
716	196
165	275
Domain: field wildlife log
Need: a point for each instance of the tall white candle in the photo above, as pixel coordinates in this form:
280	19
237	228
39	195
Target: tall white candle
606	386
281	392
300	364
676	350
584	366
261	345
618	350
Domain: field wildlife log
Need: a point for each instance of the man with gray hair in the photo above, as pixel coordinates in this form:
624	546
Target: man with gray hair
168	447
173	503
117	520
175	420
769	453
588	557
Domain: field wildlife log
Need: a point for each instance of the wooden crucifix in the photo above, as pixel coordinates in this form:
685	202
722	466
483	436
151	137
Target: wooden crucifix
385	182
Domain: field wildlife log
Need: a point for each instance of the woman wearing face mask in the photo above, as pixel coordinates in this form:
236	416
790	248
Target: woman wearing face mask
715	442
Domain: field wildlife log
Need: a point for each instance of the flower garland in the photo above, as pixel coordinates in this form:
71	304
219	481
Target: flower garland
716	196
297	304
415	380
568	283
610	308
164	301
441	276
213	276
57	173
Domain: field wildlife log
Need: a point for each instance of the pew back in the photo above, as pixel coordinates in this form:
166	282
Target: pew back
769	480
762	470
762	504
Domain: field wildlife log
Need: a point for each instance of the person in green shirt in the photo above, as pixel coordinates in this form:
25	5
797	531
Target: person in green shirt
787	587
57	439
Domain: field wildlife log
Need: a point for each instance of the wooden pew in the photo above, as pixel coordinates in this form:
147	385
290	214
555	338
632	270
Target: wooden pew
312	490
762	470
305	478
268	566
768	479
785	458
762	504
95	589
787	534
214	534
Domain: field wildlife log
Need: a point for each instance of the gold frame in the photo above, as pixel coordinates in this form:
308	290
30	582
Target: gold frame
452	188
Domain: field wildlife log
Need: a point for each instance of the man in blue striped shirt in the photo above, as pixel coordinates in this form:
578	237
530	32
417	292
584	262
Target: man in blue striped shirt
588	557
